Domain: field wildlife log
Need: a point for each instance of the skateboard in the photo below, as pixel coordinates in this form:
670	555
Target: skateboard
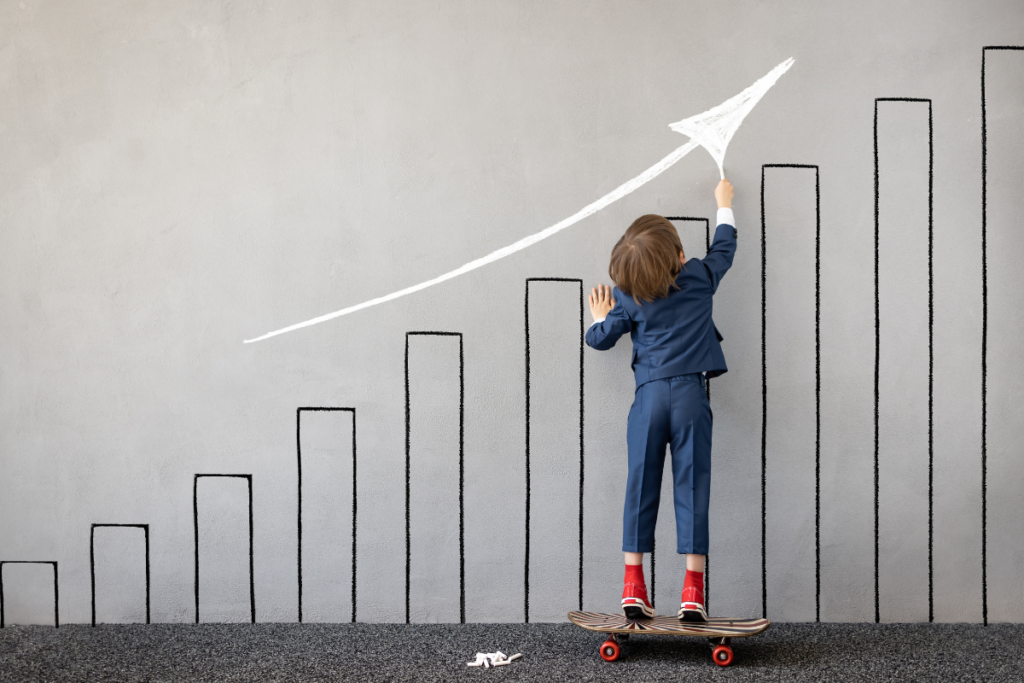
718	631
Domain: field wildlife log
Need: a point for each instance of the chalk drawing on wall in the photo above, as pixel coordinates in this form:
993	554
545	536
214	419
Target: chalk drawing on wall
994	328
56	593
528	422
195	518
765	389
987	126
298	451
713	130
408	476
900	322
92	560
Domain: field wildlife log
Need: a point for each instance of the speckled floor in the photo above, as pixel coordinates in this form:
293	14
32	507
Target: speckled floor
551	652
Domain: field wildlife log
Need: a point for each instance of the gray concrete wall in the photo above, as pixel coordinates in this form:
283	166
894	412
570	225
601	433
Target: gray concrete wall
178	177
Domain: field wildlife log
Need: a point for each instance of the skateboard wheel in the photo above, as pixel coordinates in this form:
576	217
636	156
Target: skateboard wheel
610	651
722	654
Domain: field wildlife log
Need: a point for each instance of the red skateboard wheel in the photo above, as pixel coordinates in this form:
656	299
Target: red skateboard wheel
722	654
610	651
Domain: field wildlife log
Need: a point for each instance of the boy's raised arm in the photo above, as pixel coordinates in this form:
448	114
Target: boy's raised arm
723	248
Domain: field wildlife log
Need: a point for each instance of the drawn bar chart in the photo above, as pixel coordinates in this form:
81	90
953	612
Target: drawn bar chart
791	428
195	517
433	498
904	392
904	359
550	480
92	561
329	477
56	590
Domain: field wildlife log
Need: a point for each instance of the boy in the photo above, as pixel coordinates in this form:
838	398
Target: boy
664	302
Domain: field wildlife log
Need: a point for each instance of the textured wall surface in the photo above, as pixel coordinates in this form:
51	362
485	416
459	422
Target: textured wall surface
178	177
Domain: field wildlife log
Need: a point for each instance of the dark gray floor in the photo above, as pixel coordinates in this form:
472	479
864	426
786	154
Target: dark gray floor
555	652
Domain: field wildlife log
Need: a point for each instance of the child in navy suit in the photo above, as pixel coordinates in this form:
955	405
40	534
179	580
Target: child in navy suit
664	302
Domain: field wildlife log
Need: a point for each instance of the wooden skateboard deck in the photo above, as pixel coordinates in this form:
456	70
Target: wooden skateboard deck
717	630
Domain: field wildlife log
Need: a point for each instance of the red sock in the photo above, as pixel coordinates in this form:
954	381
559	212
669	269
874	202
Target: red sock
694	580
635	575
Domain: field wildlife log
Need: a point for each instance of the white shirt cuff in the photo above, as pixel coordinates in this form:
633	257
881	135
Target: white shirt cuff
725	216
599	320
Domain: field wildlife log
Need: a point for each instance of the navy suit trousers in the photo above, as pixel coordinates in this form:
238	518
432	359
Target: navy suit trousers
673	412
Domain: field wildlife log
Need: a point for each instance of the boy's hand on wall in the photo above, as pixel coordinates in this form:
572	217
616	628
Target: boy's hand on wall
601	302
723	193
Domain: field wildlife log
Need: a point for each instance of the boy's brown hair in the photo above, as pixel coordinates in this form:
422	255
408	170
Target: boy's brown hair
645	260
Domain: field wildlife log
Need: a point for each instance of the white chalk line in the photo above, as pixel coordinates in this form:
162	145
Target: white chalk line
616	194
712	130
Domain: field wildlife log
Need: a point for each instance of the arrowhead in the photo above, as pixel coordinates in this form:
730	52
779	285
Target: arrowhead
713	129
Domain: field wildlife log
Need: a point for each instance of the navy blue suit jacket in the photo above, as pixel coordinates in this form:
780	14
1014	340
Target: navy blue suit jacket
673	335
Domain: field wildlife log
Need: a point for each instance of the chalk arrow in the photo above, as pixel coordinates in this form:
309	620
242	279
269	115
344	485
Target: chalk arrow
711	130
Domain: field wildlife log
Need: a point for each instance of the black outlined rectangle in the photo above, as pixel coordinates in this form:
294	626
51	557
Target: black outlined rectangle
526	570
931	351
696	219
195	519
56	591
92	561
817	392
984	327
408	472
298	450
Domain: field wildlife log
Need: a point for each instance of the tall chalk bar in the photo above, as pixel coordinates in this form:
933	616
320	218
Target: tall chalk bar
119	573
434	478
1003	243
903	165
790	230
222	516
554	447
29	593
668	568
326	449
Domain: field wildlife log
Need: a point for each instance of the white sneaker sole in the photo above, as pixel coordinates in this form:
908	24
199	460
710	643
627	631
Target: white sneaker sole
692	611
636	608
